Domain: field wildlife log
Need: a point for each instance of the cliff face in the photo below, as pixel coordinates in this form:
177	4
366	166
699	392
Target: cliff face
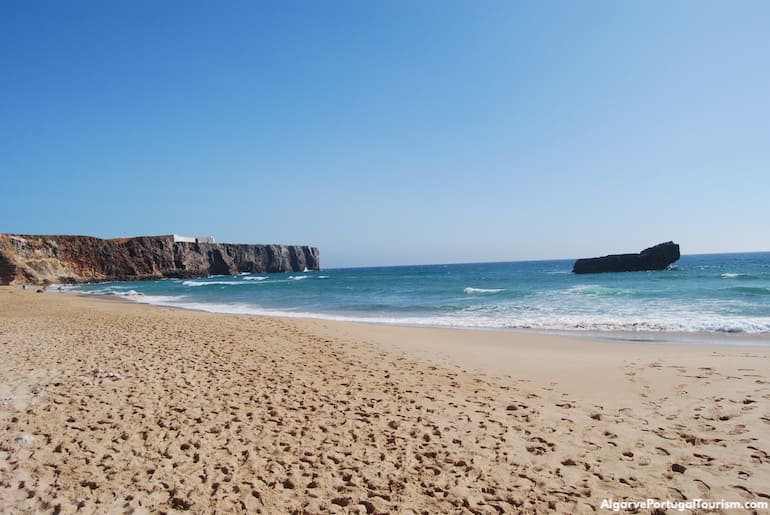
78	259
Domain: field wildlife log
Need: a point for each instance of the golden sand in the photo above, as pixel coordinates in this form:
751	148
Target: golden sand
112	407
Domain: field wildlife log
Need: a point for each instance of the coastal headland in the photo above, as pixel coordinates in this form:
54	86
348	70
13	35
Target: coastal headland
79	259
114	407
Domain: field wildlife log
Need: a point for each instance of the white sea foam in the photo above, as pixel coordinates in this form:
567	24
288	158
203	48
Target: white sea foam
212	283
580	288
503	319
630	304
107	292
595	289
159	300
470	291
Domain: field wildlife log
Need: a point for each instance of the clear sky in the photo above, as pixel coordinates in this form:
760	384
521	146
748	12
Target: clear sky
391	132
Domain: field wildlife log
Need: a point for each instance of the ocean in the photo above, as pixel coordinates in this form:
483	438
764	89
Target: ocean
717	293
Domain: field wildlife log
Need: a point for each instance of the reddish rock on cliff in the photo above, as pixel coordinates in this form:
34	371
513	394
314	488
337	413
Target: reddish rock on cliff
78	259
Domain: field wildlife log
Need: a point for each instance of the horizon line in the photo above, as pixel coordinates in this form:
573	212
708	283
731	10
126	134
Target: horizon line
536	260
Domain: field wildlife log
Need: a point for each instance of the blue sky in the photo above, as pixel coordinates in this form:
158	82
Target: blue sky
393	132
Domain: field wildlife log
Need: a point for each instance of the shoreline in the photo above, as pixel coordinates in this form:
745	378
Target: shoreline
508	342
653	337
114	406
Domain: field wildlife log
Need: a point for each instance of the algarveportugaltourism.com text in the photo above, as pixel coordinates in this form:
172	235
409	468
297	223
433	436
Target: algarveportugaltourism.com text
692	504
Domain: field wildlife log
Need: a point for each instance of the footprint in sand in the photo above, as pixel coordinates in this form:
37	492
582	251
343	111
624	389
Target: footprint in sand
702	486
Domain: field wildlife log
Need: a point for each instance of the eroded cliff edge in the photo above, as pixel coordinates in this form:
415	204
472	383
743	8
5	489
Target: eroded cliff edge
79	259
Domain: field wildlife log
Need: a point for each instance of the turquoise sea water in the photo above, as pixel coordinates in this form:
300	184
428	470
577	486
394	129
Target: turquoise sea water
719	293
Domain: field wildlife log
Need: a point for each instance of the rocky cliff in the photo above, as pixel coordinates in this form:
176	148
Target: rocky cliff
78	259
658	257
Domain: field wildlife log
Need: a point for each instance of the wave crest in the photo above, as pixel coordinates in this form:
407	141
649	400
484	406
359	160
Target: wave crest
212	283
735	276
471	291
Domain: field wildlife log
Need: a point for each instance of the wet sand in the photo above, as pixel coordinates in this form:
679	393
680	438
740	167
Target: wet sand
112	407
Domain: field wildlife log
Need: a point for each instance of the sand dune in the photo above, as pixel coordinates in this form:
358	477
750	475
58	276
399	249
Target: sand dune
111	407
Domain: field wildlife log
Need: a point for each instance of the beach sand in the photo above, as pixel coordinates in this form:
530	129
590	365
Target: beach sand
114	407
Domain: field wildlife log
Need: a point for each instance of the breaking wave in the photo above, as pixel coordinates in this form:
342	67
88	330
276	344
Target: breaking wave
471	291
732	296
129	293
504	319
736	276
213	283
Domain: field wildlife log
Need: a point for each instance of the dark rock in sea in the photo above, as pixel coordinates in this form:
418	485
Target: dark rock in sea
658	257
79	259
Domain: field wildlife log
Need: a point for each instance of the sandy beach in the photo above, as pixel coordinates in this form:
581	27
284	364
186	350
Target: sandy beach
114	407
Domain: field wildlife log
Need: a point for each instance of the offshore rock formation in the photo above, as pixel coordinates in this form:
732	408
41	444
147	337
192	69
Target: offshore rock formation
658	257
79	259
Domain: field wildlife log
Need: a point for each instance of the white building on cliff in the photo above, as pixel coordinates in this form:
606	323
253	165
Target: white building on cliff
190	239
